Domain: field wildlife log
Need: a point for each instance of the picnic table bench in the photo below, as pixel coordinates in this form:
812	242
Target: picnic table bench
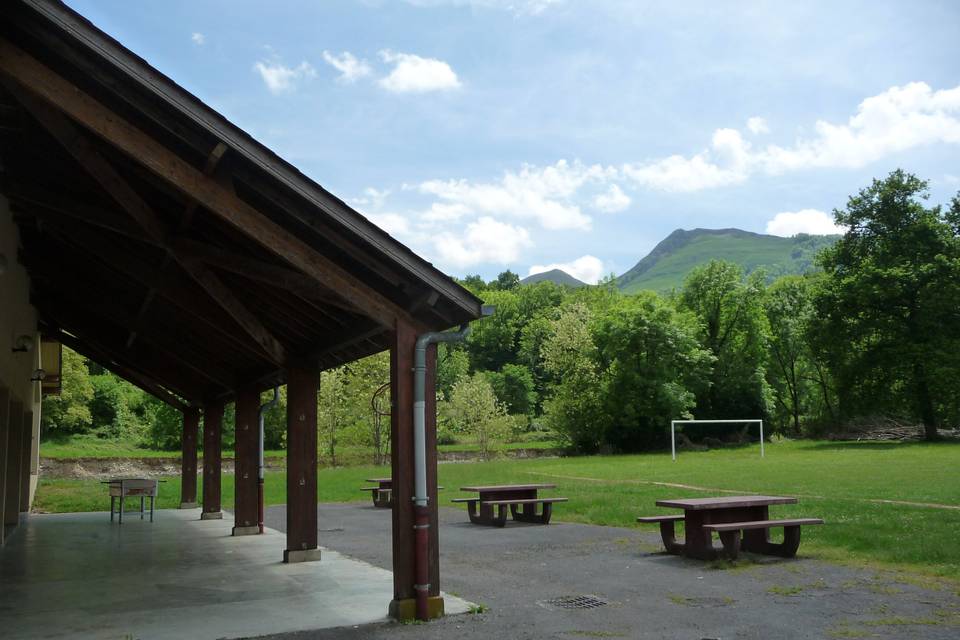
521	499
382	494
742	522
121	488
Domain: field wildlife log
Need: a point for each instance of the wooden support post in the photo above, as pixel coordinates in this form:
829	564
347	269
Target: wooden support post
402	346
245	462
4	444
11	507
212	425
188	461
26	446
401	461
303	383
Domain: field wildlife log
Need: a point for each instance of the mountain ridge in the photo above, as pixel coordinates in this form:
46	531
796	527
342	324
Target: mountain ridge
556	276
669	262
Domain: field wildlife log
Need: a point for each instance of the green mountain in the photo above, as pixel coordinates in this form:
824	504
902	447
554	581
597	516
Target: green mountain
668	264
556	276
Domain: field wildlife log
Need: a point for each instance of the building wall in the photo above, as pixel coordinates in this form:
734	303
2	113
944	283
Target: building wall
17	318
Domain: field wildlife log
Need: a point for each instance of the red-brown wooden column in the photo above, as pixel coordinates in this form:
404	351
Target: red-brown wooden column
302	386
11	506
403	605
246	461
212	426
188	459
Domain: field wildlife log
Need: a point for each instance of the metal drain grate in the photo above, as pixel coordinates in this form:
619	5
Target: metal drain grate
573	602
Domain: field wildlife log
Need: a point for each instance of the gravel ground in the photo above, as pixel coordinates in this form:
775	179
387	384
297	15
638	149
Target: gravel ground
513	572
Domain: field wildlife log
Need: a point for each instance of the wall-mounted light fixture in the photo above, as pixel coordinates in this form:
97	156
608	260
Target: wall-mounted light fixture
22	344
38	375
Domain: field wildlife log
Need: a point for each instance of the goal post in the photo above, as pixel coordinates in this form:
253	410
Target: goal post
674	423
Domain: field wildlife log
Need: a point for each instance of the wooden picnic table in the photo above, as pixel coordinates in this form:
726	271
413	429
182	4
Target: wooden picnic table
522	499
382	494
701	516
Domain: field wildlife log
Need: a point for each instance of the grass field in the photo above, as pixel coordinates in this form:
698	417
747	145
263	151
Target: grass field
885	504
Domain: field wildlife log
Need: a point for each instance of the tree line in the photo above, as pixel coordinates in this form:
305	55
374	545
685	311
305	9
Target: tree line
873	330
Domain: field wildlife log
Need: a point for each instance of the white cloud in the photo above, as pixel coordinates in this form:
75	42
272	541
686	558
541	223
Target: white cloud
485	241
393	223
544	194
350	67
280	78
757	125
896	120
372	198
413	74
445	212
198	38
612	201
516	7
587	269
725	163
812	221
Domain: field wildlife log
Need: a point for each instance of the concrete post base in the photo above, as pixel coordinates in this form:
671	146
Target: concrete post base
406	610
189	505
211	515
246	531
300	555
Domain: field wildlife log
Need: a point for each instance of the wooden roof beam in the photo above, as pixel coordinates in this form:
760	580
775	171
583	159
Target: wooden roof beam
295	282
177	289
76	142
24	70
154	370
143	382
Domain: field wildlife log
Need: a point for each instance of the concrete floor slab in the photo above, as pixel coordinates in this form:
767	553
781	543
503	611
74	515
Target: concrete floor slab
79	575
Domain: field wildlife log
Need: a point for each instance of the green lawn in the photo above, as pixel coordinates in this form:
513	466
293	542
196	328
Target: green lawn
841	482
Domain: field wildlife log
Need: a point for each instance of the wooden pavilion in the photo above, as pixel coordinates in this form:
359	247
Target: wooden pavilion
166	244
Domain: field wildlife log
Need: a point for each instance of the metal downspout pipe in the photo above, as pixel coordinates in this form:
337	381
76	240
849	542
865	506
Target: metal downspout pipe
421	500
260	468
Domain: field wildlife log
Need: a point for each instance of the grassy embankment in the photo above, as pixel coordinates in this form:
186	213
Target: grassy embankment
93	447
885	504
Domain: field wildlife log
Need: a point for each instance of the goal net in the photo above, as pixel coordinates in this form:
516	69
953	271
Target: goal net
674	423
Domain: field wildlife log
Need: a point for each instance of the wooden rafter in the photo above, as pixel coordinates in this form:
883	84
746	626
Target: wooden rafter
109	311
291	280
78	144
26	71
176	288
137	379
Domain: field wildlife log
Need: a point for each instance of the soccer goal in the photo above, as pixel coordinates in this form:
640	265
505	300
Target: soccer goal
674	423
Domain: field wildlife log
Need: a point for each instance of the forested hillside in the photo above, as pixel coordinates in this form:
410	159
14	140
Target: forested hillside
873	332
665	268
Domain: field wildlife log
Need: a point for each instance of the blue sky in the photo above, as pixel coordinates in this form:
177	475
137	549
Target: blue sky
522	134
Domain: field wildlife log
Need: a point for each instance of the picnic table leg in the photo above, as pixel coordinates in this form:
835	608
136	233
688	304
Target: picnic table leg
151	508
472	512
501	518
756	540
120	517
669	536
731	543
788	548
112	500
141	507
697	542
